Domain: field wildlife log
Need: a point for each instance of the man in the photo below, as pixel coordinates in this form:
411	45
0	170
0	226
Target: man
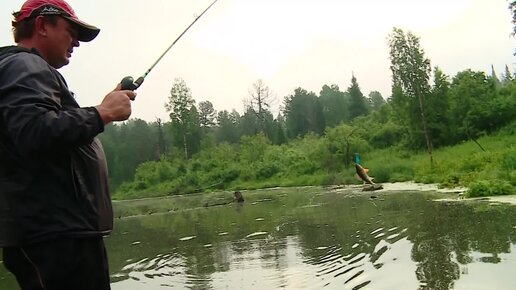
55	206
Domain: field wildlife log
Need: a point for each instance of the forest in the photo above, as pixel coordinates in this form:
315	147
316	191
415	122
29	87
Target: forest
434	128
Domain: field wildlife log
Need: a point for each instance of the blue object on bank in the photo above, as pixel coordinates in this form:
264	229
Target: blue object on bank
357	158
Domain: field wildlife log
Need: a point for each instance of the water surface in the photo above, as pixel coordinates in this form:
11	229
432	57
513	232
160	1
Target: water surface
311	238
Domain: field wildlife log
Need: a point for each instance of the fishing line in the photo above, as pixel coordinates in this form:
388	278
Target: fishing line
128	83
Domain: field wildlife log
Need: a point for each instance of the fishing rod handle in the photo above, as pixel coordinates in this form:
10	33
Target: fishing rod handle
128	83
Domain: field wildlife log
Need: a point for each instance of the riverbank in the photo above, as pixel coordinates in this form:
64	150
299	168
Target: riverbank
486	167
159	205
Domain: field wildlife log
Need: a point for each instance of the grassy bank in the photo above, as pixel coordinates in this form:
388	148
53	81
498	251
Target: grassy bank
485	173
490	170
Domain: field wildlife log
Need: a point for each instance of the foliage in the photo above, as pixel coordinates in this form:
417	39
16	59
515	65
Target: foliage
334	105
375	100
437	109
303	114
312	160
489	188
342	142
260	102
228	127
358	105
207	114
129	144
410	80
470	117
184	118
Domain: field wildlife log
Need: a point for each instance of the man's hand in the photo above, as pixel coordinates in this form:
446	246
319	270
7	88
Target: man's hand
116	105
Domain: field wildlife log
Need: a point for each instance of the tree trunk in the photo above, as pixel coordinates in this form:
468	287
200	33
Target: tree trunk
425	129
185	146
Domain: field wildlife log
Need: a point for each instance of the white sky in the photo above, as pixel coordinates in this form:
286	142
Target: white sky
286	43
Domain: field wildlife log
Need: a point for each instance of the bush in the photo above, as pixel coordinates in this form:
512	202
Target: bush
303	167
450	181
394	171
265	171
333	179
490	187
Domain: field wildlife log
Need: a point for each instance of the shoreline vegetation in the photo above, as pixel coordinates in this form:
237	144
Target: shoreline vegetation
484	172
434	128
179	203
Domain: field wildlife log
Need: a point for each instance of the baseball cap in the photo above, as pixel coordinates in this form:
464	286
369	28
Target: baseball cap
33	8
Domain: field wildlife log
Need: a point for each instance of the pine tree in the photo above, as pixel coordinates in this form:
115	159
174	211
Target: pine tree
357	102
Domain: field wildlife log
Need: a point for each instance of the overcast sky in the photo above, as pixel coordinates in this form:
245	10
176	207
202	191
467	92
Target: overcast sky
286	43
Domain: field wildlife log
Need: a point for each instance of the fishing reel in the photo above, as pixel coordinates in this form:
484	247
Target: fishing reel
128	83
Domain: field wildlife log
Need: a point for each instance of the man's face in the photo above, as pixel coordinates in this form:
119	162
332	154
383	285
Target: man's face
59	43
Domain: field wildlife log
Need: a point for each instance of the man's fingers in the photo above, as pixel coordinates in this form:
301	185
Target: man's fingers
131	95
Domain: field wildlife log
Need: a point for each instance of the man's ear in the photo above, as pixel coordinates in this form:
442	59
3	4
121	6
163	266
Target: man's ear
40	26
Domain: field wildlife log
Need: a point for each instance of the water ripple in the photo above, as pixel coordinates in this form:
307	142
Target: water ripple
336	267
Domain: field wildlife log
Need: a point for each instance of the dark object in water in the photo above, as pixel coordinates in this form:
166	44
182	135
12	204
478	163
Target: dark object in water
362	174
372	187
238	196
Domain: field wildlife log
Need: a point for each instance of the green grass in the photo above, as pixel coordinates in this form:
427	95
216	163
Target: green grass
489	188
489	172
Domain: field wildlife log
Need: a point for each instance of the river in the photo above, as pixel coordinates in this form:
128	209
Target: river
314	238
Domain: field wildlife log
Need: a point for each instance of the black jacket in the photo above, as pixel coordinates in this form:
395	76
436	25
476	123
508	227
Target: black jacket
53	173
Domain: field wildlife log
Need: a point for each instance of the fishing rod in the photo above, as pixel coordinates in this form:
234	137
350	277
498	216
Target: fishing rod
128	83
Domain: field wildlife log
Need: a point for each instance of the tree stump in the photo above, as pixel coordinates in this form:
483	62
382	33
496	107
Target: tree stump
238	197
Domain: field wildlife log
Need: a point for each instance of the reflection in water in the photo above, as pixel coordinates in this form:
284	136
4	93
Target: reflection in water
307	239
312	241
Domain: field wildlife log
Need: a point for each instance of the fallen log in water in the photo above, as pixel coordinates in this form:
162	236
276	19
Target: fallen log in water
372	187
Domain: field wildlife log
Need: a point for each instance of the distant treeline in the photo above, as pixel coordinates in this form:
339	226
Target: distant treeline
200	148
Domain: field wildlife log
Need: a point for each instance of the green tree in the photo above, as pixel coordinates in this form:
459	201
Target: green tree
127	145
495	78
437	107
252	148
478	106
507	76
227	127
193	137
303	114
469	95
179	104
249	122
375	100
342	141
207	114
334	105
381	128
357	102
411	73
162	146
261	99
268	124
278	129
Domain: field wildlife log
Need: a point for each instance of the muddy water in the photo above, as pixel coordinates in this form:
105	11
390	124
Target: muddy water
311	238
308	239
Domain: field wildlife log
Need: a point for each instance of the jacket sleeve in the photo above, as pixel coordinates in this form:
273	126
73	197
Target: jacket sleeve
32	112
